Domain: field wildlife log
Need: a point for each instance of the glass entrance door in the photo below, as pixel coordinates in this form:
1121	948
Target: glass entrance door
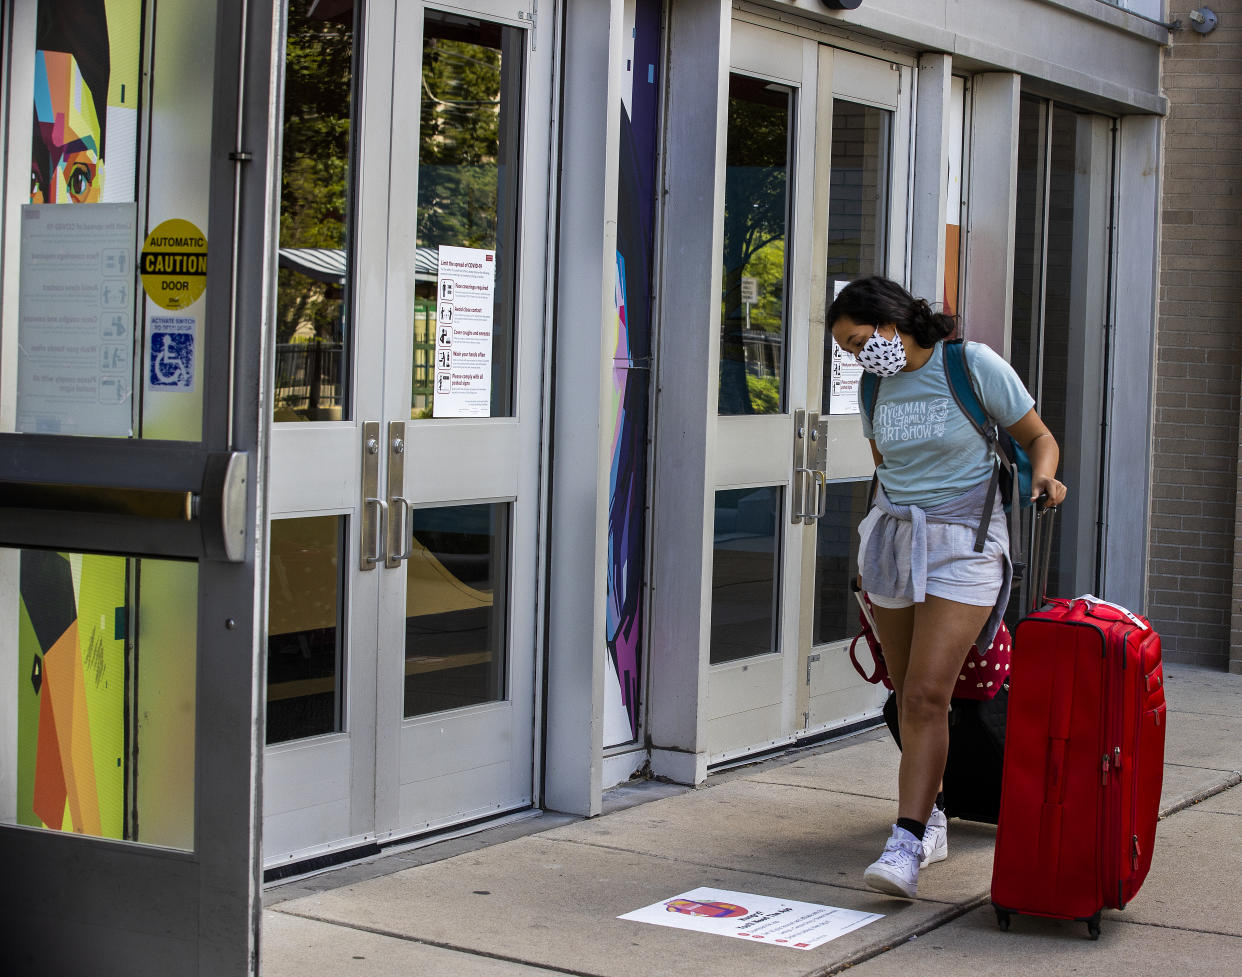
814	195
407	405
130	448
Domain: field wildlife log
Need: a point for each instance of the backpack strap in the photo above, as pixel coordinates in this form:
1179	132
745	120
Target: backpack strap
870	391
961	385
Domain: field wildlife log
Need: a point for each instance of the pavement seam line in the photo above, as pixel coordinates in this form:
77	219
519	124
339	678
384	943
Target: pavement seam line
1199	797
1169	926
825	790
729	868
952	912
422	941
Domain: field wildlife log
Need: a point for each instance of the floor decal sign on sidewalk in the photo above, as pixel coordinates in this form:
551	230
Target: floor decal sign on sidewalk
745	916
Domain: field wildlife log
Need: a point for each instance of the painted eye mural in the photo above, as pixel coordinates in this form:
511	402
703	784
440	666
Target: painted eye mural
72	67
74	610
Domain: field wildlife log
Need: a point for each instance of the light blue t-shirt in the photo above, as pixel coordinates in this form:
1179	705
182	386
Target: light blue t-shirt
932	453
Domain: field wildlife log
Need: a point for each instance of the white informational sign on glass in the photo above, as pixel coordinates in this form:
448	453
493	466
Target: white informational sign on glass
75	369
759	919
844	374
465	311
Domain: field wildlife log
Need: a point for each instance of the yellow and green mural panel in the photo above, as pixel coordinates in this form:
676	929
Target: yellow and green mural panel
71	693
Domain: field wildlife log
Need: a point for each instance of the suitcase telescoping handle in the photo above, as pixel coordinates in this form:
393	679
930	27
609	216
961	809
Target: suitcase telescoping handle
1041	551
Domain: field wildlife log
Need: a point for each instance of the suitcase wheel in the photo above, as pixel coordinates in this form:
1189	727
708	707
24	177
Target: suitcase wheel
1093	927
1002	919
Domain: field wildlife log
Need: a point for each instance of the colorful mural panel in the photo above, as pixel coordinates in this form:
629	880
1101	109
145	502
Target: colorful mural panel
72	608
632	369
71	694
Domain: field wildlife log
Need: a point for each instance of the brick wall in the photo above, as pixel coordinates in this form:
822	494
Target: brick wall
1193	590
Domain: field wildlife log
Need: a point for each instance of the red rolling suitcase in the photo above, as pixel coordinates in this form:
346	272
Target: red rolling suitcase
1084	760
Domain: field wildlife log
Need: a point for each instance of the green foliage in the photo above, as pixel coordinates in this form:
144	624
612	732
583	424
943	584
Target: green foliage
318	90
756	183
765	394
459	143
314	198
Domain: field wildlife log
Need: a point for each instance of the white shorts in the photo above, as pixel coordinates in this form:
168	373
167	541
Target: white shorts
954	570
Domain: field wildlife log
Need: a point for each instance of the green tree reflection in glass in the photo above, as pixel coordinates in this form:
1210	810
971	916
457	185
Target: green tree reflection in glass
468	161
753	307
459	140
312	282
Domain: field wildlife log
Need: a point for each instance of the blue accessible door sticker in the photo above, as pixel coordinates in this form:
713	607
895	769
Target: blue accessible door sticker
171	355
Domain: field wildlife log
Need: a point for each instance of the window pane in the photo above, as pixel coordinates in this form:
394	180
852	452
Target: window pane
753	307
98	668
836	558
745	574
1060	399
1028	260
857	215
456	603
858	194
467	198
312	306
304	614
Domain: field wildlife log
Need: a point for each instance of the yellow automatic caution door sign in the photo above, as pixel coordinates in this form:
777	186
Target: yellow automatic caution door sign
174	264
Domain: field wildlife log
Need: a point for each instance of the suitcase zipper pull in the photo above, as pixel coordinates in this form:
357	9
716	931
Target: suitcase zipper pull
1134	853
1104	772
1117	757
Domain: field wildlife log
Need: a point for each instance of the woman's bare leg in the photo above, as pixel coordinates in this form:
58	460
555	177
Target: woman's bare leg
942	633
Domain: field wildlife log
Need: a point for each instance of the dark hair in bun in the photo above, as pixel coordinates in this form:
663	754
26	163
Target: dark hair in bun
877	301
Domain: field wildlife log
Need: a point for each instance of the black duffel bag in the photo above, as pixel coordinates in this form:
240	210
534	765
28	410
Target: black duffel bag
972	773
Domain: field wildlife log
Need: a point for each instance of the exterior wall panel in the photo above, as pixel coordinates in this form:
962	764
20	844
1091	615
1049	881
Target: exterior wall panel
1101	53
1195	586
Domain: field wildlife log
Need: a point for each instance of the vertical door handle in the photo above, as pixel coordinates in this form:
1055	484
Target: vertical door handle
819	495
810	498
798	484
373	519
818	462
399	528
400	540
371	554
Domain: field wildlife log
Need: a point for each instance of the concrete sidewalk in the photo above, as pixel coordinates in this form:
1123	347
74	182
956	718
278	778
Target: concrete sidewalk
542	896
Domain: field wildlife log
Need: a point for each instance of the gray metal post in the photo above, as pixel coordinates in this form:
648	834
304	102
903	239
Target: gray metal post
688	357
585	314
1128	489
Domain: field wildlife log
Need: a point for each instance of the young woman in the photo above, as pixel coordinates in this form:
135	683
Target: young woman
933	595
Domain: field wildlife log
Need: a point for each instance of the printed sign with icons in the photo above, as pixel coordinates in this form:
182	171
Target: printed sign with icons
465	310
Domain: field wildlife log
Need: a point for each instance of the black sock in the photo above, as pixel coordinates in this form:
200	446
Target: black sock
915	828
940	800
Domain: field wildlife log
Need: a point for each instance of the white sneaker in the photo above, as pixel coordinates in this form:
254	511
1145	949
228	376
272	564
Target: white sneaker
935	838
896	871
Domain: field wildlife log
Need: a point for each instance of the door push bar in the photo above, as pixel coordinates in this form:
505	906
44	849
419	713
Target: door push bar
810	461
192	503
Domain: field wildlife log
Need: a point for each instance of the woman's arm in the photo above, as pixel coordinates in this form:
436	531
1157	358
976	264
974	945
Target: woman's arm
1033	434
875	453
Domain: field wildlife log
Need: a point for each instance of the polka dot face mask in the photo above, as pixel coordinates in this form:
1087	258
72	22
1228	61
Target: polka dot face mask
883	357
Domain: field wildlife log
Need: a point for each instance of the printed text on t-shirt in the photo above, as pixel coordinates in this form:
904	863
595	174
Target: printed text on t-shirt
911	421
